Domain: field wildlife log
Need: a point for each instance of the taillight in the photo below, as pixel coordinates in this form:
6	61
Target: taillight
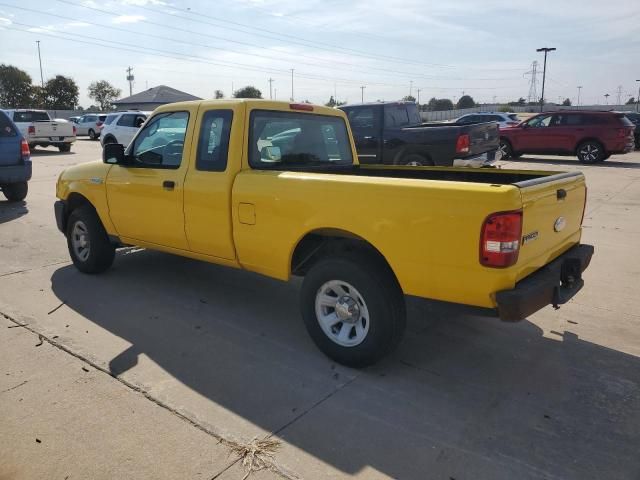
462	145
31	130
584	207
25	153
622	132
98	124
500	239
74	130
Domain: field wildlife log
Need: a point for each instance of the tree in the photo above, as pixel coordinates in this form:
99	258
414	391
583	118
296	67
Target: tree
104	93
331	102
466	101
218	94
520	103
15	87
61	93
439	104
409	98
38	96
566	103
631	101
248	92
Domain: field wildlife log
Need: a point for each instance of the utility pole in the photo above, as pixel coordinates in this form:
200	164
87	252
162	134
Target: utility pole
619	92
275	93
292	84
606	98
544	71
362	93
335	93
410	87
271	80
579	88
40	60
418	99
533	89
130	79
638	98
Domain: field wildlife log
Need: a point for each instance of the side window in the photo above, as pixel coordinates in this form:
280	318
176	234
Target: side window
6	128
139	120
213	142
572	120
395	116
161	142
540	122
361	118
126	120
109	119
284	140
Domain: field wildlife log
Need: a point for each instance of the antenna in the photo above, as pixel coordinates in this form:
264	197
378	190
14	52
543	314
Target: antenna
533	83
130	79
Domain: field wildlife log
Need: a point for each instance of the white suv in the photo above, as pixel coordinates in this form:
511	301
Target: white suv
121	127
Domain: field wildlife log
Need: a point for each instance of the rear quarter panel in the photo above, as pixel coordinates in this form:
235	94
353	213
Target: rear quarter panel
427	230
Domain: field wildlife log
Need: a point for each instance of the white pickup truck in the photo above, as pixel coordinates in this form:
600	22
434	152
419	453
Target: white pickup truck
41	130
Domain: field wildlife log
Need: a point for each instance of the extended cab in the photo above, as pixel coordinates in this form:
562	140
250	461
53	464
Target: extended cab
392	133
205	180
40	130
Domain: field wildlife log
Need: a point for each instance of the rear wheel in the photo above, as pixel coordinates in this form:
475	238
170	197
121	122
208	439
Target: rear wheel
65	147
88	243
109	139
92	134
353	309
506	150
415	160
590	152
16	192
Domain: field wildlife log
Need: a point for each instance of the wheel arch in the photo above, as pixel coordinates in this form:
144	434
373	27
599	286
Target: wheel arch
412	150
322	242
74	201
589	139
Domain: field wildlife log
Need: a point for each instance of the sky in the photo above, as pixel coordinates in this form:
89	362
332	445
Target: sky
392	48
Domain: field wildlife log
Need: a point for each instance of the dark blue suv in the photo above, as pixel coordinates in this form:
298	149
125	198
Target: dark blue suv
15	160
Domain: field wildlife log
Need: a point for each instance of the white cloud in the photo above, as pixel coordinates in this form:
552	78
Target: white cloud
5	22
128	19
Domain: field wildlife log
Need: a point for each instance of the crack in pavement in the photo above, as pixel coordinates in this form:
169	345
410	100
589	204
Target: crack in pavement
227	442
34	268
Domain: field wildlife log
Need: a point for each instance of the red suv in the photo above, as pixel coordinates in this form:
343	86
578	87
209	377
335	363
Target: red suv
591	136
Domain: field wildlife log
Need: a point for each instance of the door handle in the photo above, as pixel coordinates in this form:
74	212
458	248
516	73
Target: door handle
168	184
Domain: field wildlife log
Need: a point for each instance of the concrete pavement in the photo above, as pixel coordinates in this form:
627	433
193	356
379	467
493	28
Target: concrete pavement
209	355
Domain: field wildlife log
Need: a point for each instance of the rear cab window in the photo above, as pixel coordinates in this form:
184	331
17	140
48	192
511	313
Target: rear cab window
290	140
397	116
31	116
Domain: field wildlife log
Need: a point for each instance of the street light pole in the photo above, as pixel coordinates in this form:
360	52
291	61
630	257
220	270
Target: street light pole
544	72
271	80
579	88
638	97
362	94
40	60
606	99
292	84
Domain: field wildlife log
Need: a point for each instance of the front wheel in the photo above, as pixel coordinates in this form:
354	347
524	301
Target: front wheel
353	309
88	243
16	192
590	152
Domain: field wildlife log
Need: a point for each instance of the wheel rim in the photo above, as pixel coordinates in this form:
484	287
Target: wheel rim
503	149
91	134
414	163
342	313
80	241
589	152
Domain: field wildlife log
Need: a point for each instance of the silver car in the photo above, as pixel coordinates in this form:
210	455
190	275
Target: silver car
90	124
503	119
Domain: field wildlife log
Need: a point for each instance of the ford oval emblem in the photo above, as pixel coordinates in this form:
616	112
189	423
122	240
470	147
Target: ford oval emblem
559	225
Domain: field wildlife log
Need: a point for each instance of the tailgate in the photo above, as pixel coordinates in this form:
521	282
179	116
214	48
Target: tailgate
53	129
552	214
483	137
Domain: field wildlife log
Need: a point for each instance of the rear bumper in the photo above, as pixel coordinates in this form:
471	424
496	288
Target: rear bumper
553	284
50	140
15	173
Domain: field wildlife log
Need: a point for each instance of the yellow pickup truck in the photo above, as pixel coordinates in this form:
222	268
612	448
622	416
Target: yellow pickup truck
276	188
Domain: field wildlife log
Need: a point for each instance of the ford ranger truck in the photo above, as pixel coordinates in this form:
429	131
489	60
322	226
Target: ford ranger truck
205	180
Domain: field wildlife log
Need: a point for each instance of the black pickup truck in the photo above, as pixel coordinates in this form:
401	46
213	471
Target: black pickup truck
393	133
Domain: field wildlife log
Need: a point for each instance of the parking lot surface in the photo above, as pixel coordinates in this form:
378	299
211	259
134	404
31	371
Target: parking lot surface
159	367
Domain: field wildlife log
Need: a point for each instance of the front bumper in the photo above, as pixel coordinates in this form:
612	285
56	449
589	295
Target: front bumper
484	160
15	173
60	209
554	284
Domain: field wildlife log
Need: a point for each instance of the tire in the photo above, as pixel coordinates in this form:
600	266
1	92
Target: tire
88	243
65	147
109	139
363	289
505	147
92	134
16	192
590	152
415	160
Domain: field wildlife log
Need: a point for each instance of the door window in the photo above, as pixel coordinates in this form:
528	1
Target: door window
213	143
540	122
160	143
126	120
361	118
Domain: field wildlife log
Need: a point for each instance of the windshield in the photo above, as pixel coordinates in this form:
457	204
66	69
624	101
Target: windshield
281	140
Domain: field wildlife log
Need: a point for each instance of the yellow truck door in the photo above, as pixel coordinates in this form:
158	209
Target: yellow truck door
145	196
217	147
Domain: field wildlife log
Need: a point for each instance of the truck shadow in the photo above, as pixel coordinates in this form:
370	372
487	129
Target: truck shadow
12	210
463	397
610	163
49	151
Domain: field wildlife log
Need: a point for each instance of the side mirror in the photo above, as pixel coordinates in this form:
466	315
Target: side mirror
270	154
524	125
113	154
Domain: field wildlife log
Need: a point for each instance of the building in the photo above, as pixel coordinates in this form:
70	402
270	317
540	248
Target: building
152	98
